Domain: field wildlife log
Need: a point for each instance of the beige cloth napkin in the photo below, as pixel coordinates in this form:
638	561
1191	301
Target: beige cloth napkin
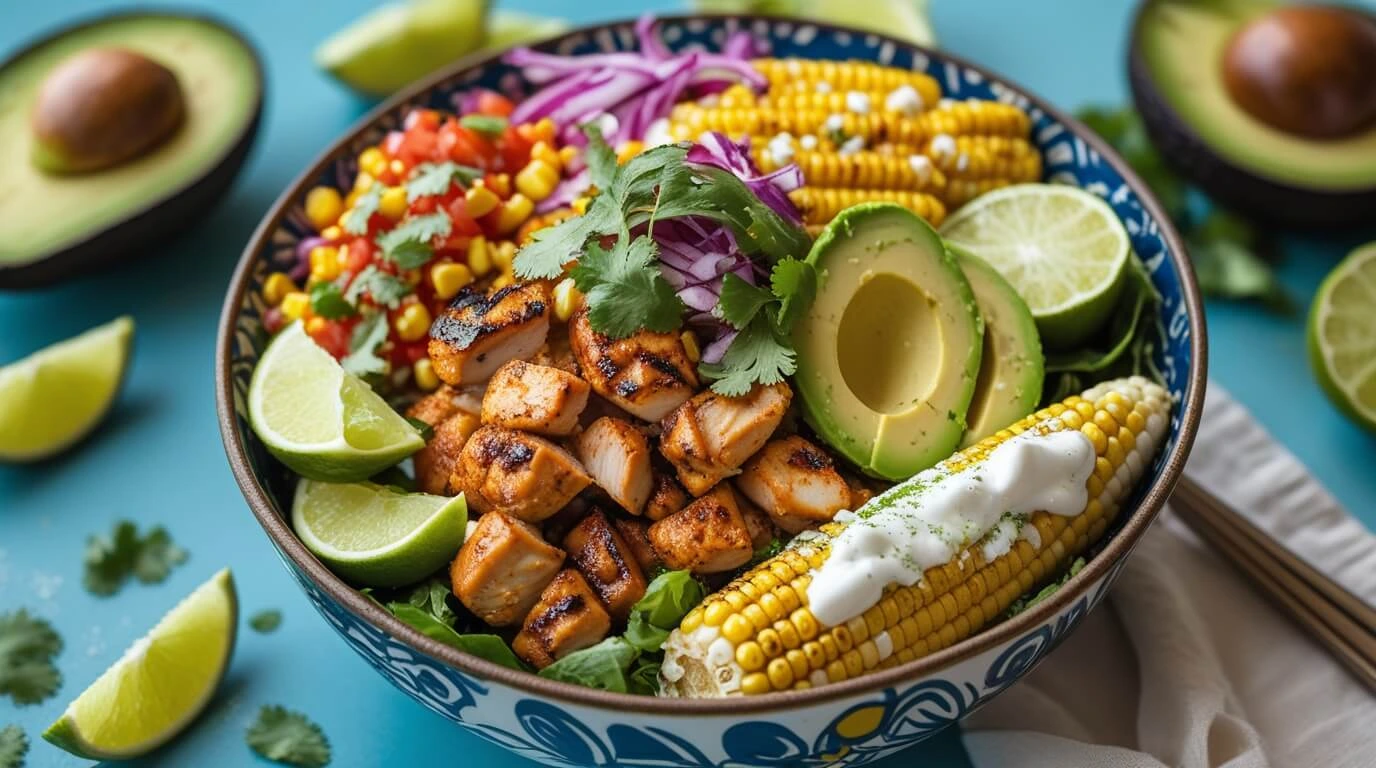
1188	666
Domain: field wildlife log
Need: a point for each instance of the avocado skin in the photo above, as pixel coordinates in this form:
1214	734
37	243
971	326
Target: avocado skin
157	221
1233	186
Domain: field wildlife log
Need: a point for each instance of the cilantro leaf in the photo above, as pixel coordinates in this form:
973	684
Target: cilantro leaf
328	301
599	158
625	291
385	289
757	355
488	125
426	431
356	222
432	596
367	336
13	746
434	179
408	245
740	301
27	647
267	621
288	737
794	284
1226	258
111	560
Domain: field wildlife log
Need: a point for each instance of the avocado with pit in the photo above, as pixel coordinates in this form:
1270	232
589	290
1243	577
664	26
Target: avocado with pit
1269	108
116	133
1012	367
889	352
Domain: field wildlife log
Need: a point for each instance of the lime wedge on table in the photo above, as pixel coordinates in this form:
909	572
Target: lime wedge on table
904	19
54	397
322	422
1342	335
398	43
160	684
375	535
1062	248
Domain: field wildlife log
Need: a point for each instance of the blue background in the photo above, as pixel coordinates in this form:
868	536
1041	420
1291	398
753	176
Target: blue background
158	460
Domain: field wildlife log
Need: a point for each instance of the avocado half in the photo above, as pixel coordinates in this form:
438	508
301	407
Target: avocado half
889	351
57	226
1175	66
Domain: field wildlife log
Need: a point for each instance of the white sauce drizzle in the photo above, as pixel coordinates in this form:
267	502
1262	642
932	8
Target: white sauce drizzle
927	520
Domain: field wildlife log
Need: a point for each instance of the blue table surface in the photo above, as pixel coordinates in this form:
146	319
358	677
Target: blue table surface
159	460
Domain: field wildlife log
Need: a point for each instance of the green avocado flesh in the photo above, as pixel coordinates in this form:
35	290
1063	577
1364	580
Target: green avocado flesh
890	350
1182	43
1012	367
41	213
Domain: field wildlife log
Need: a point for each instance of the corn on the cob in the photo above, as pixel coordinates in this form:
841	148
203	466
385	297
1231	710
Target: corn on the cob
758	634
808	74
860	170
821	204
985	157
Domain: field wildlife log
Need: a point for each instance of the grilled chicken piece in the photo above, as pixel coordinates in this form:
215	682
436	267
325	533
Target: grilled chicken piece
707	536
757	523
617	455
435	407
478	332
567	618
710	436
608	564
443	410
535	398
517	473
502	568
666	497
795	482
647	373
636	533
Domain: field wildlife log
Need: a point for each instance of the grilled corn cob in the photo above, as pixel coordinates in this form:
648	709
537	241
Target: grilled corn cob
758	634
821	204
812	74
861	170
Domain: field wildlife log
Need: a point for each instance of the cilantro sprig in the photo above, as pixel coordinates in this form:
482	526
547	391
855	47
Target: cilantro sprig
408	245
287	737
625	290
112	560
435	179
385	289
356	220
27	647
367	336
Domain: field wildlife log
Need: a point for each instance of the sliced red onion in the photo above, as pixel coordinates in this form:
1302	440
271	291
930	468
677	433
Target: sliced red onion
716	349
719	151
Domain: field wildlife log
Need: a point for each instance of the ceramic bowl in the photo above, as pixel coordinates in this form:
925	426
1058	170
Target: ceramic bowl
850	723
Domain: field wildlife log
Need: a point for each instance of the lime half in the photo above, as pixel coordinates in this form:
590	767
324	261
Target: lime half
319	420
1342	335
398	43
56	396
375	535
1062	248
160	684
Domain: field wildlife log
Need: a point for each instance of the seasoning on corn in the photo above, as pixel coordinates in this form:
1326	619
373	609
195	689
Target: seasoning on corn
760	633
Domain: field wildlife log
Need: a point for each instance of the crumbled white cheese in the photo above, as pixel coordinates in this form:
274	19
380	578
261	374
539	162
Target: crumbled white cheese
922	166
657	133
962	162
943	146
851	146
1031	535
904	99
710	100
780	148
858	102
808	142
823	86
834	123
946	103
793	67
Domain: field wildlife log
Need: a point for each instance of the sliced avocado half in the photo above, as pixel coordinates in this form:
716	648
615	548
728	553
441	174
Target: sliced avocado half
890	350
1012	367
1203	101
55	225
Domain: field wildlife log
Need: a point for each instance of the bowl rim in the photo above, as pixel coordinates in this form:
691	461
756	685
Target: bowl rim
279	531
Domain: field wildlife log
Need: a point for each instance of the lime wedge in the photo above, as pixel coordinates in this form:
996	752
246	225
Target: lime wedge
322	422
1062	248
1342	335
375	535
904	19
508	28
160	684
56	396
398	43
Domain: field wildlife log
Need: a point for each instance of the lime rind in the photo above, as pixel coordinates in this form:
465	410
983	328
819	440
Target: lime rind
1342	336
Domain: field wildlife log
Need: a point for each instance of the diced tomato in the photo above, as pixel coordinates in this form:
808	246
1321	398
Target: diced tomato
467	147
333	337
361	254
515	150
464	224
499	183
423	205
493	103
425	119
418	147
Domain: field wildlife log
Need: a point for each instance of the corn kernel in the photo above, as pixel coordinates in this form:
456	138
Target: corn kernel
372	161
276	288
315	326
749	656
332	232
580	205
567	299
479	258
424	371
780	674
324	262
504	256
628	150
499	183
323	207
450	278
754	684
568	154
502	281
513	212
412	323
544	130
480	201
294	305
392	203
737	629
690	346
537	180
541	150
363	182
397	168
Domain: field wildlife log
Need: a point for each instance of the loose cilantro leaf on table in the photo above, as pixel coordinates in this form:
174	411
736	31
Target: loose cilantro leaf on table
287	737
267	621
13	746
356	220
329	302
408	245
27	647
367	336
387	290
111	560
625	291
435	178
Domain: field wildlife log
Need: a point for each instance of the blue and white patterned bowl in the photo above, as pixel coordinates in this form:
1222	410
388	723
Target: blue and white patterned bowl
850	723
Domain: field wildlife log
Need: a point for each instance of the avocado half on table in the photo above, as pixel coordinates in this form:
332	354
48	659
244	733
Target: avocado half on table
115	133
1270	108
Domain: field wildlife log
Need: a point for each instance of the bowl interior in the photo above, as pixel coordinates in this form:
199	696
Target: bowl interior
1071	155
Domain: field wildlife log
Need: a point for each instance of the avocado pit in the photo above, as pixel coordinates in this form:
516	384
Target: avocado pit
103	107
1309	71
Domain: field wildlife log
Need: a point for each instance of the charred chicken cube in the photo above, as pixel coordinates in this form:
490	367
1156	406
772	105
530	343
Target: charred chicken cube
707	536
617	456
795	482
606	561
502	567
666	497
478	332
435	462
636	533
648	374
757	523
435	407
535	398
709	437
567	618
517	473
